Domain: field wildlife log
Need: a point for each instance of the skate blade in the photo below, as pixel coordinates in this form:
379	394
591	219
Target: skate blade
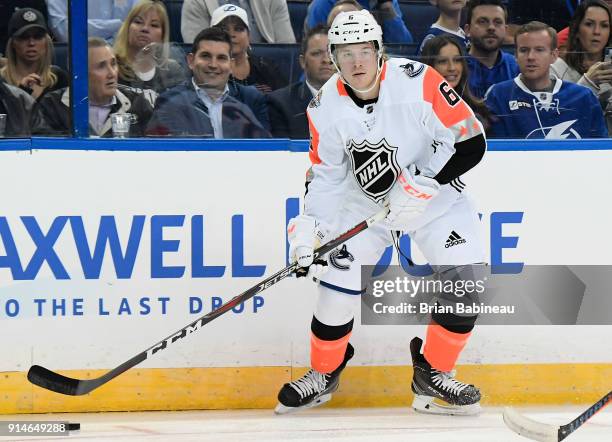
427	404
283	409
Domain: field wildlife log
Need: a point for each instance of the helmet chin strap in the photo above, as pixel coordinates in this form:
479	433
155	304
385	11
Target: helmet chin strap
361	91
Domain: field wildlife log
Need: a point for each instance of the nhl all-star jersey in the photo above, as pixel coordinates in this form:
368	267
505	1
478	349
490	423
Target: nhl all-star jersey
568	111
357	151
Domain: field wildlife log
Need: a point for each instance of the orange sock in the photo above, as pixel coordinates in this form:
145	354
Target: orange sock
442	347
326	356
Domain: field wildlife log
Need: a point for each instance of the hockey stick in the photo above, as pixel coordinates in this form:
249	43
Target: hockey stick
53	381
534	430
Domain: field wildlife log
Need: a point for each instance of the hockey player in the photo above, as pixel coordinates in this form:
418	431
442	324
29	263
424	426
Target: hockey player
385	132
536	104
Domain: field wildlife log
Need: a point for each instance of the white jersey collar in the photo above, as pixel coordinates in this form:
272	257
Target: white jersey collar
538	95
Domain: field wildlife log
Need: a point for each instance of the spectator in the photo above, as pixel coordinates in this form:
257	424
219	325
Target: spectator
105	98
447	55
246	69
288	105
538	105
342	6
29	55
583	61
255	100
23	118
563	35
589	35
8	8
486	29
202	106
104	17
387	13
142	49
268	20
448	22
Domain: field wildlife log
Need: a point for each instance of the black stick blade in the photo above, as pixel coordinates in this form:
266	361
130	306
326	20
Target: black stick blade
53	381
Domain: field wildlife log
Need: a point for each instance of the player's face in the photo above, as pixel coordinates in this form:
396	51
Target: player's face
316	62
239	33
488	28
534	55
594	30
31	45
145	28
450	6
103	73
448	64
211	64
358	64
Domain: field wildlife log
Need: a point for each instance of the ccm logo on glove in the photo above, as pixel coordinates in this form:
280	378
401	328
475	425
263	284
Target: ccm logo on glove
411	190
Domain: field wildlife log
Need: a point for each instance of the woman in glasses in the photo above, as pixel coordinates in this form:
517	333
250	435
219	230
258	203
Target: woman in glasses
29	53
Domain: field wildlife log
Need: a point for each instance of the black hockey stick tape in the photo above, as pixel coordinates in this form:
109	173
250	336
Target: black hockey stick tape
73	426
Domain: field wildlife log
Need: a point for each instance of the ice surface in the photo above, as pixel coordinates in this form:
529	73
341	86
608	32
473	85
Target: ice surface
322	424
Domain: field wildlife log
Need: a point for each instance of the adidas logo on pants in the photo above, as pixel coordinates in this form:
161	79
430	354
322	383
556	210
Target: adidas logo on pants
453	240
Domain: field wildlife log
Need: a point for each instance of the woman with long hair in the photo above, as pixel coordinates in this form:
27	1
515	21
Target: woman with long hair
142	48
589	34
446	55
29	55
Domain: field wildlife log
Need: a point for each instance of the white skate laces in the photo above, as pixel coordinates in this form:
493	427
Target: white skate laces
447	381
311	382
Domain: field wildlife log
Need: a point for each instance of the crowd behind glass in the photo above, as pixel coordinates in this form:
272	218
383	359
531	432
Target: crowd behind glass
249	68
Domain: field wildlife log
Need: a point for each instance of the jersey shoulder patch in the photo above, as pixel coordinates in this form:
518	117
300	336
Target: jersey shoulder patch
324	106
316	100
412	68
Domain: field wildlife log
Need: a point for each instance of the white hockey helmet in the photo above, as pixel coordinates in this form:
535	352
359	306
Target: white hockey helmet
355	27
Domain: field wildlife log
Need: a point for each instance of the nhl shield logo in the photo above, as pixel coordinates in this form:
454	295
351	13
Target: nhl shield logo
374	166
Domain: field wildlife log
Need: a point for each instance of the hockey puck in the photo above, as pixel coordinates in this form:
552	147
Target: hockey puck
73	426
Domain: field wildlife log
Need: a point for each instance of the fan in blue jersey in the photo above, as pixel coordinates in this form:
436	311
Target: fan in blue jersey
538	105
448	22
486	29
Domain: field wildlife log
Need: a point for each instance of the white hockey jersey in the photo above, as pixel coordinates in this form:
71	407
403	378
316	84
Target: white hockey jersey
357	153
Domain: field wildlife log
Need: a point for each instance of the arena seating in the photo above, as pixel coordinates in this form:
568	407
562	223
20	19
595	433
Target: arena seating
297	14
174	14
418	15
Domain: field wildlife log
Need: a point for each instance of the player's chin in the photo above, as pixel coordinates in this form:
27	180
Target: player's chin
359	81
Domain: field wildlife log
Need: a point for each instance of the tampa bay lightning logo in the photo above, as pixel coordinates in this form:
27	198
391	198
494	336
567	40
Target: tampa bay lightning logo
413	70
560	131
341	258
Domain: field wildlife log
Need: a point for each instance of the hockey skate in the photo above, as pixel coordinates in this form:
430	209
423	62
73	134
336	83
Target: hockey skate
312	389
438	392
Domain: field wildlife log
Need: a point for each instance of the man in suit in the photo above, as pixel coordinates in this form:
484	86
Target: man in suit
203	106
287	106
